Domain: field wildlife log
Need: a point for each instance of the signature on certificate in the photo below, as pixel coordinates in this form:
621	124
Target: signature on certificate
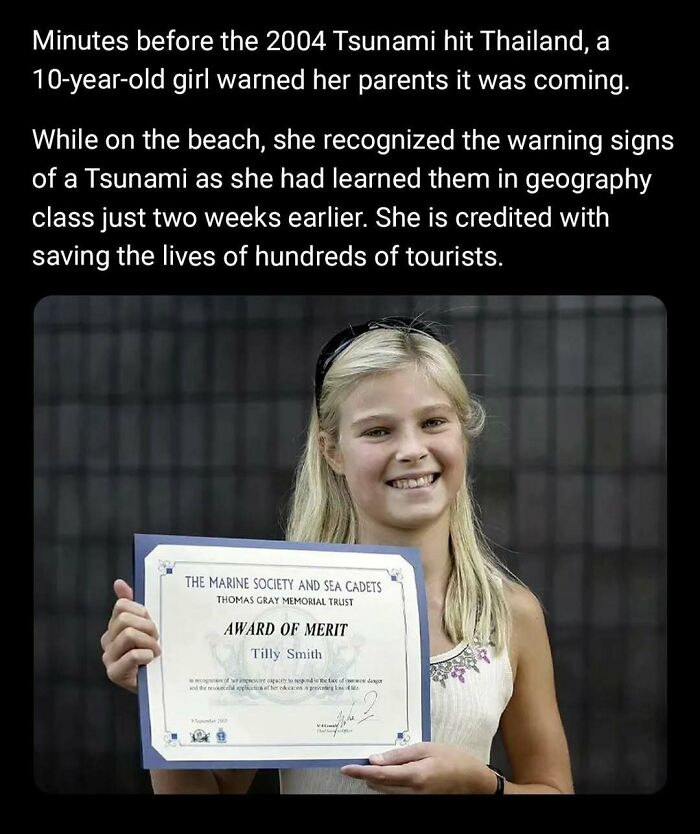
364	711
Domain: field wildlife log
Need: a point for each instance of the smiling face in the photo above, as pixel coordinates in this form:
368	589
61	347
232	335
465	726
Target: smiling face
401	450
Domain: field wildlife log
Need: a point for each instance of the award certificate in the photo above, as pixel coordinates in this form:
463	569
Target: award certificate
278	654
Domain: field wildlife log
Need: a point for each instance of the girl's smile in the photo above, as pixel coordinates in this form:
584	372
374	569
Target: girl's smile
415	481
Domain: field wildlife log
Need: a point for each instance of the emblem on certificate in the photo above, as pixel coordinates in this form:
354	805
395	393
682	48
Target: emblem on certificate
278	654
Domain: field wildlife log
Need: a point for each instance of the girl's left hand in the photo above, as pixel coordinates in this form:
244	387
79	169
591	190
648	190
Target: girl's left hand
424	768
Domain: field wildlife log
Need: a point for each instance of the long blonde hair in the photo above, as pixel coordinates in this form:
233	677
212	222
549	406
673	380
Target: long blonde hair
322	509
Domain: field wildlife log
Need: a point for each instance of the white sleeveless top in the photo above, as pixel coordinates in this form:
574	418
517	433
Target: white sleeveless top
469	689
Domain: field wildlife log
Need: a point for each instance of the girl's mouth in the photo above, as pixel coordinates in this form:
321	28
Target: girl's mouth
414	483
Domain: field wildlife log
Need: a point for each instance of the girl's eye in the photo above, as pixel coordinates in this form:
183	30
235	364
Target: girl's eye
375	433
434	422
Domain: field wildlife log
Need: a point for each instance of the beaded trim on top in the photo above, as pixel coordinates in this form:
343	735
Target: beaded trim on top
457	666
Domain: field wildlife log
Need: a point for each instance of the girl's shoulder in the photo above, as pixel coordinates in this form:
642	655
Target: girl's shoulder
527	618
520	599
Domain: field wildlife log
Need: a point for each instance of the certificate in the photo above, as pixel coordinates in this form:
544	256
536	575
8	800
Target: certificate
278	654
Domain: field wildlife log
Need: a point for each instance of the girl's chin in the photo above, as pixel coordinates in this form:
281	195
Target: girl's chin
409	522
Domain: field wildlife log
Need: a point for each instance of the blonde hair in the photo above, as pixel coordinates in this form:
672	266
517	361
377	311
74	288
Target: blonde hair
322	509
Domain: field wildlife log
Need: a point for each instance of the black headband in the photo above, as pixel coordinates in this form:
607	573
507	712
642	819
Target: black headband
337	344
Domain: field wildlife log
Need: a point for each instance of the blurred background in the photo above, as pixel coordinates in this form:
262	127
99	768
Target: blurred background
186	414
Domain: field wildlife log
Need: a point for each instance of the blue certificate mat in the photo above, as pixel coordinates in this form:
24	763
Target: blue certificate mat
278	654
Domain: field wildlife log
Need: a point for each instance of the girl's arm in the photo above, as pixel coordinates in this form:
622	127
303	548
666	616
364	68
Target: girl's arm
184	781
201	781
531	726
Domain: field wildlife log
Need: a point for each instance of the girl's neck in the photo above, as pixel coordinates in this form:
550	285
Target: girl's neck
434	545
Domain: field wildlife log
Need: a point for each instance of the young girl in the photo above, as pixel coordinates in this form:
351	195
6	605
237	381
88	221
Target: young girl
385	464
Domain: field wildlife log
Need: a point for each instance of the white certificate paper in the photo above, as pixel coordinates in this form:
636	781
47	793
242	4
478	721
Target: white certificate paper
277	654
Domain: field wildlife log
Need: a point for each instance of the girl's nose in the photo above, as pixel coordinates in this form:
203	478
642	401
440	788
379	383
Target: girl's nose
411	448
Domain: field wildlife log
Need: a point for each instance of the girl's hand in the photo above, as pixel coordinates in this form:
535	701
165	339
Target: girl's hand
131	639
425	768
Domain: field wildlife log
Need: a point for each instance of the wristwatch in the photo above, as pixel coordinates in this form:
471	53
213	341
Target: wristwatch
501	781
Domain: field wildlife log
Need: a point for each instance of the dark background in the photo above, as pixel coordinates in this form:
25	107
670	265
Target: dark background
185	415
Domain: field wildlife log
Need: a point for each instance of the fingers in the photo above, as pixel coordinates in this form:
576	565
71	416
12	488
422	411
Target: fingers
123	612
401	755
132	646
130	638
124	619
123	671
382	778
123	590
128	606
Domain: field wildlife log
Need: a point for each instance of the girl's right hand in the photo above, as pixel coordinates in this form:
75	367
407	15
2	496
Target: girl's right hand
131	639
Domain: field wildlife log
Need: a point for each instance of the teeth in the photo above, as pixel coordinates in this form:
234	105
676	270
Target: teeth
412	483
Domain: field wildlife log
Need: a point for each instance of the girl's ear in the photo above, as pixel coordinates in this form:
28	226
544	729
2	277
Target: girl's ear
331	452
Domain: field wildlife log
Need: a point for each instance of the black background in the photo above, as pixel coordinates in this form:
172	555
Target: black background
636	253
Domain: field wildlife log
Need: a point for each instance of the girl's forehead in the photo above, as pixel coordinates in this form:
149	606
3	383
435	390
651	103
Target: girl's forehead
394	390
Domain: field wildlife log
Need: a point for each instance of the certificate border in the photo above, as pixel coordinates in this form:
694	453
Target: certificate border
144	543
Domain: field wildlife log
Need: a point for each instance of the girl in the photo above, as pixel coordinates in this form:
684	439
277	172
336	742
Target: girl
385	463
